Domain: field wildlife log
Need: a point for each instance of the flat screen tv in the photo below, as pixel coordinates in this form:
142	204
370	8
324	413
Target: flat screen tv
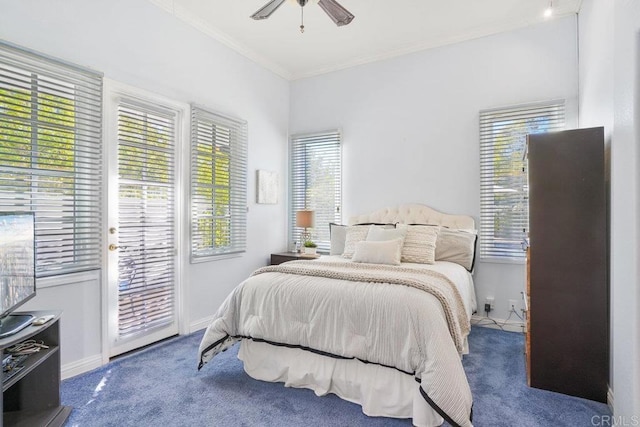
17	269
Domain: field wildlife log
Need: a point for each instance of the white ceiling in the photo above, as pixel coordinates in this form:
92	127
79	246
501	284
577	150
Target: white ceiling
381	28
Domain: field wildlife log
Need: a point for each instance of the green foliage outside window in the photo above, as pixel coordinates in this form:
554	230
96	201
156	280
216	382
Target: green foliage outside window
144	158
212	194
38	162
40	138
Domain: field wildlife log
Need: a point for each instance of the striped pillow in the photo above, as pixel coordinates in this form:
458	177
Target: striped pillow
420	243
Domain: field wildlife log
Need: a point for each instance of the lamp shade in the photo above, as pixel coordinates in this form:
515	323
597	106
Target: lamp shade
305	219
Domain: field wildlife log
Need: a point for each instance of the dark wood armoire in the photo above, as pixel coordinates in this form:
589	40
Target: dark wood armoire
568	271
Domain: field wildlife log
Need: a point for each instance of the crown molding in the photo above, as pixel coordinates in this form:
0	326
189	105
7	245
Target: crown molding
417	47
197	23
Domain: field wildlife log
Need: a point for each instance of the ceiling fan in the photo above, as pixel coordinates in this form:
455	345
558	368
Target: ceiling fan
338	14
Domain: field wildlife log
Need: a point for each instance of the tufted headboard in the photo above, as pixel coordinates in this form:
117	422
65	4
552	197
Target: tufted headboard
415	214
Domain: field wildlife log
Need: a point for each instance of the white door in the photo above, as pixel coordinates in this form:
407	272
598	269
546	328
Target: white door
142	225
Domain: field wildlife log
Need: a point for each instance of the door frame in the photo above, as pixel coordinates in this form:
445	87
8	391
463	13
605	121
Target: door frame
112	92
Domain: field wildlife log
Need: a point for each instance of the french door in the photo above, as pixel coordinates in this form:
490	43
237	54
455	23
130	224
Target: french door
142	223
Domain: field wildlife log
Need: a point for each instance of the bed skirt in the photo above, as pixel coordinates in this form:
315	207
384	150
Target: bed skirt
380	391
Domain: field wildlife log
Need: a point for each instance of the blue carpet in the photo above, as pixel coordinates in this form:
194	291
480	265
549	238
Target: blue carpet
160	386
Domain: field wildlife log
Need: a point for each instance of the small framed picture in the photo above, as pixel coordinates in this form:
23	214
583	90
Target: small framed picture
267	187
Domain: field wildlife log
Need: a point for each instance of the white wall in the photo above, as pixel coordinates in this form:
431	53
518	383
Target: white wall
411	123
610	96
136	43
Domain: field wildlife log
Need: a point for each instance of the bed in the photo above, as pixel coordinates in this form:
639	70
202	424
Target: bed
382	322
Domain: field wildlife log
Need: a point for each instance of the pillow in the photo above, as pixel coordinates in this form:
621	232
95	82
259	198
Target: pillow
338	235
378	234
419	243
355	234
378	252
457	246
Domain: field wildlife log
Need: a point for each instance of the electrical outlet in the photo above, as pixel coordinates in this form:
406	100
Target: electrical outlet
513	305
490	301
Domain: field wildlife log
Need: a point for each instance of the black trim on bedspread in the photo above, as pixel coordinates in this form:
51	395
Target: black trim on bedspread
439	410
211	347
431	403
300	347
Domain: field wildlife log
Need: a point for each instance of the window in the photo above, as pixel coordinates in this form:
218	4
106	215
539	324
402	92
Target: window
218	185
504	205
51	157
316	183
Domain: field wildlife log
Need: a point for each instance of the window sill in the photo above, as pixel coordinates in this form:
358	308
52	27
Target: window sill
67	279
497	260
210	258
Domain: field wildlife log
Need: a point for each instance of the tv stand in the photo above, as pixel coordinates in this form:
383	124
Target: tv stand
14	323
32	396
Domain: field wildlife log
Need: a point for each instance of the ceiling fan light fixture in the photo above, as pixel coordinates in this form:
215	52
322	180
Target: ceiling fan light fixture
338	14
549	10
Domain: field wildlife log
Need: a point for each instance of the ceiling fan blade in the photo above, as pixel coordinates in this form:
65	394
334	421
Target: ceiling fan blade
336	12
265	11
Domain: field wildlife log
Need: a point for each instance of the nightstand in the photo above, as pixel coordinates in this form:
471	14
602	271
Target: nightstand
281	257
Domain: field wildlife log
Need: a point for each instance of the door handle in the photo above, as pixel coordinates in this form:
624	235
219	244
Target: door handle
113	247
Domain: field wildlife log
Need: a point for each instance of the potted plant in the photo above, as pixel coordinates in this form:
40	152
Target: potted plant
310	247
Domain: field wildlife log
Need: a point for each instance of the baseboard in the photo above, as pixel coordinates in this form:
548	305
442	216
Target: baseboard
610	399
485	322
78	367
200	324
87	364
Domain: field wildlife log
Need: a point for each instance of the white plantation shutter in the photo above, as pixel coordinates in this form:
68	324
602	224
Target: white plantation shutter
146	216
218	185
51	156
316	183
504	200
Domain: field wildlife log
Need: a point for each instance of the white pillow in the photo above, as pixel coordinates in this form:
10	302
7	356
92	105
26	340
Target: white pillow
355	234
457	246
338	236
378	252
419	243
379	234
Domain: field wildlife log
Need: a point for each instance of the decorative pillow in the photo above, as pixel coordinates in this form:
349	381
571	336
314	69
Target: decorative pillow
378	234
457	246
338	235
419	243
355	234
378	252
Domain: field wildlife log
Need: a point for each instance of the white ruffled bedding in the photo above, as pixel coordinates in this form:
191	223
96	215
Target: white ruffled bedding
380	391
399	326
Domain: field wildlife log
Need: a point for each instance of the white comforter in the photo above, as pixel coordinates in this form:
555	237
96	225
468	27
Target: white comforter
396	325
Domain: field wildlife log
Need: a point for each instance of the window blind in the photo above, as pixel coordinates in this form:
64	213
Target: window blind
316	183
51	156
146	216
218	185
504	201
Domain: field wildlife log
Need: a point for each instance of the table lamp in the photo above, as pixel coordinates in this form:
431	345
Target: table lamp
305	219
